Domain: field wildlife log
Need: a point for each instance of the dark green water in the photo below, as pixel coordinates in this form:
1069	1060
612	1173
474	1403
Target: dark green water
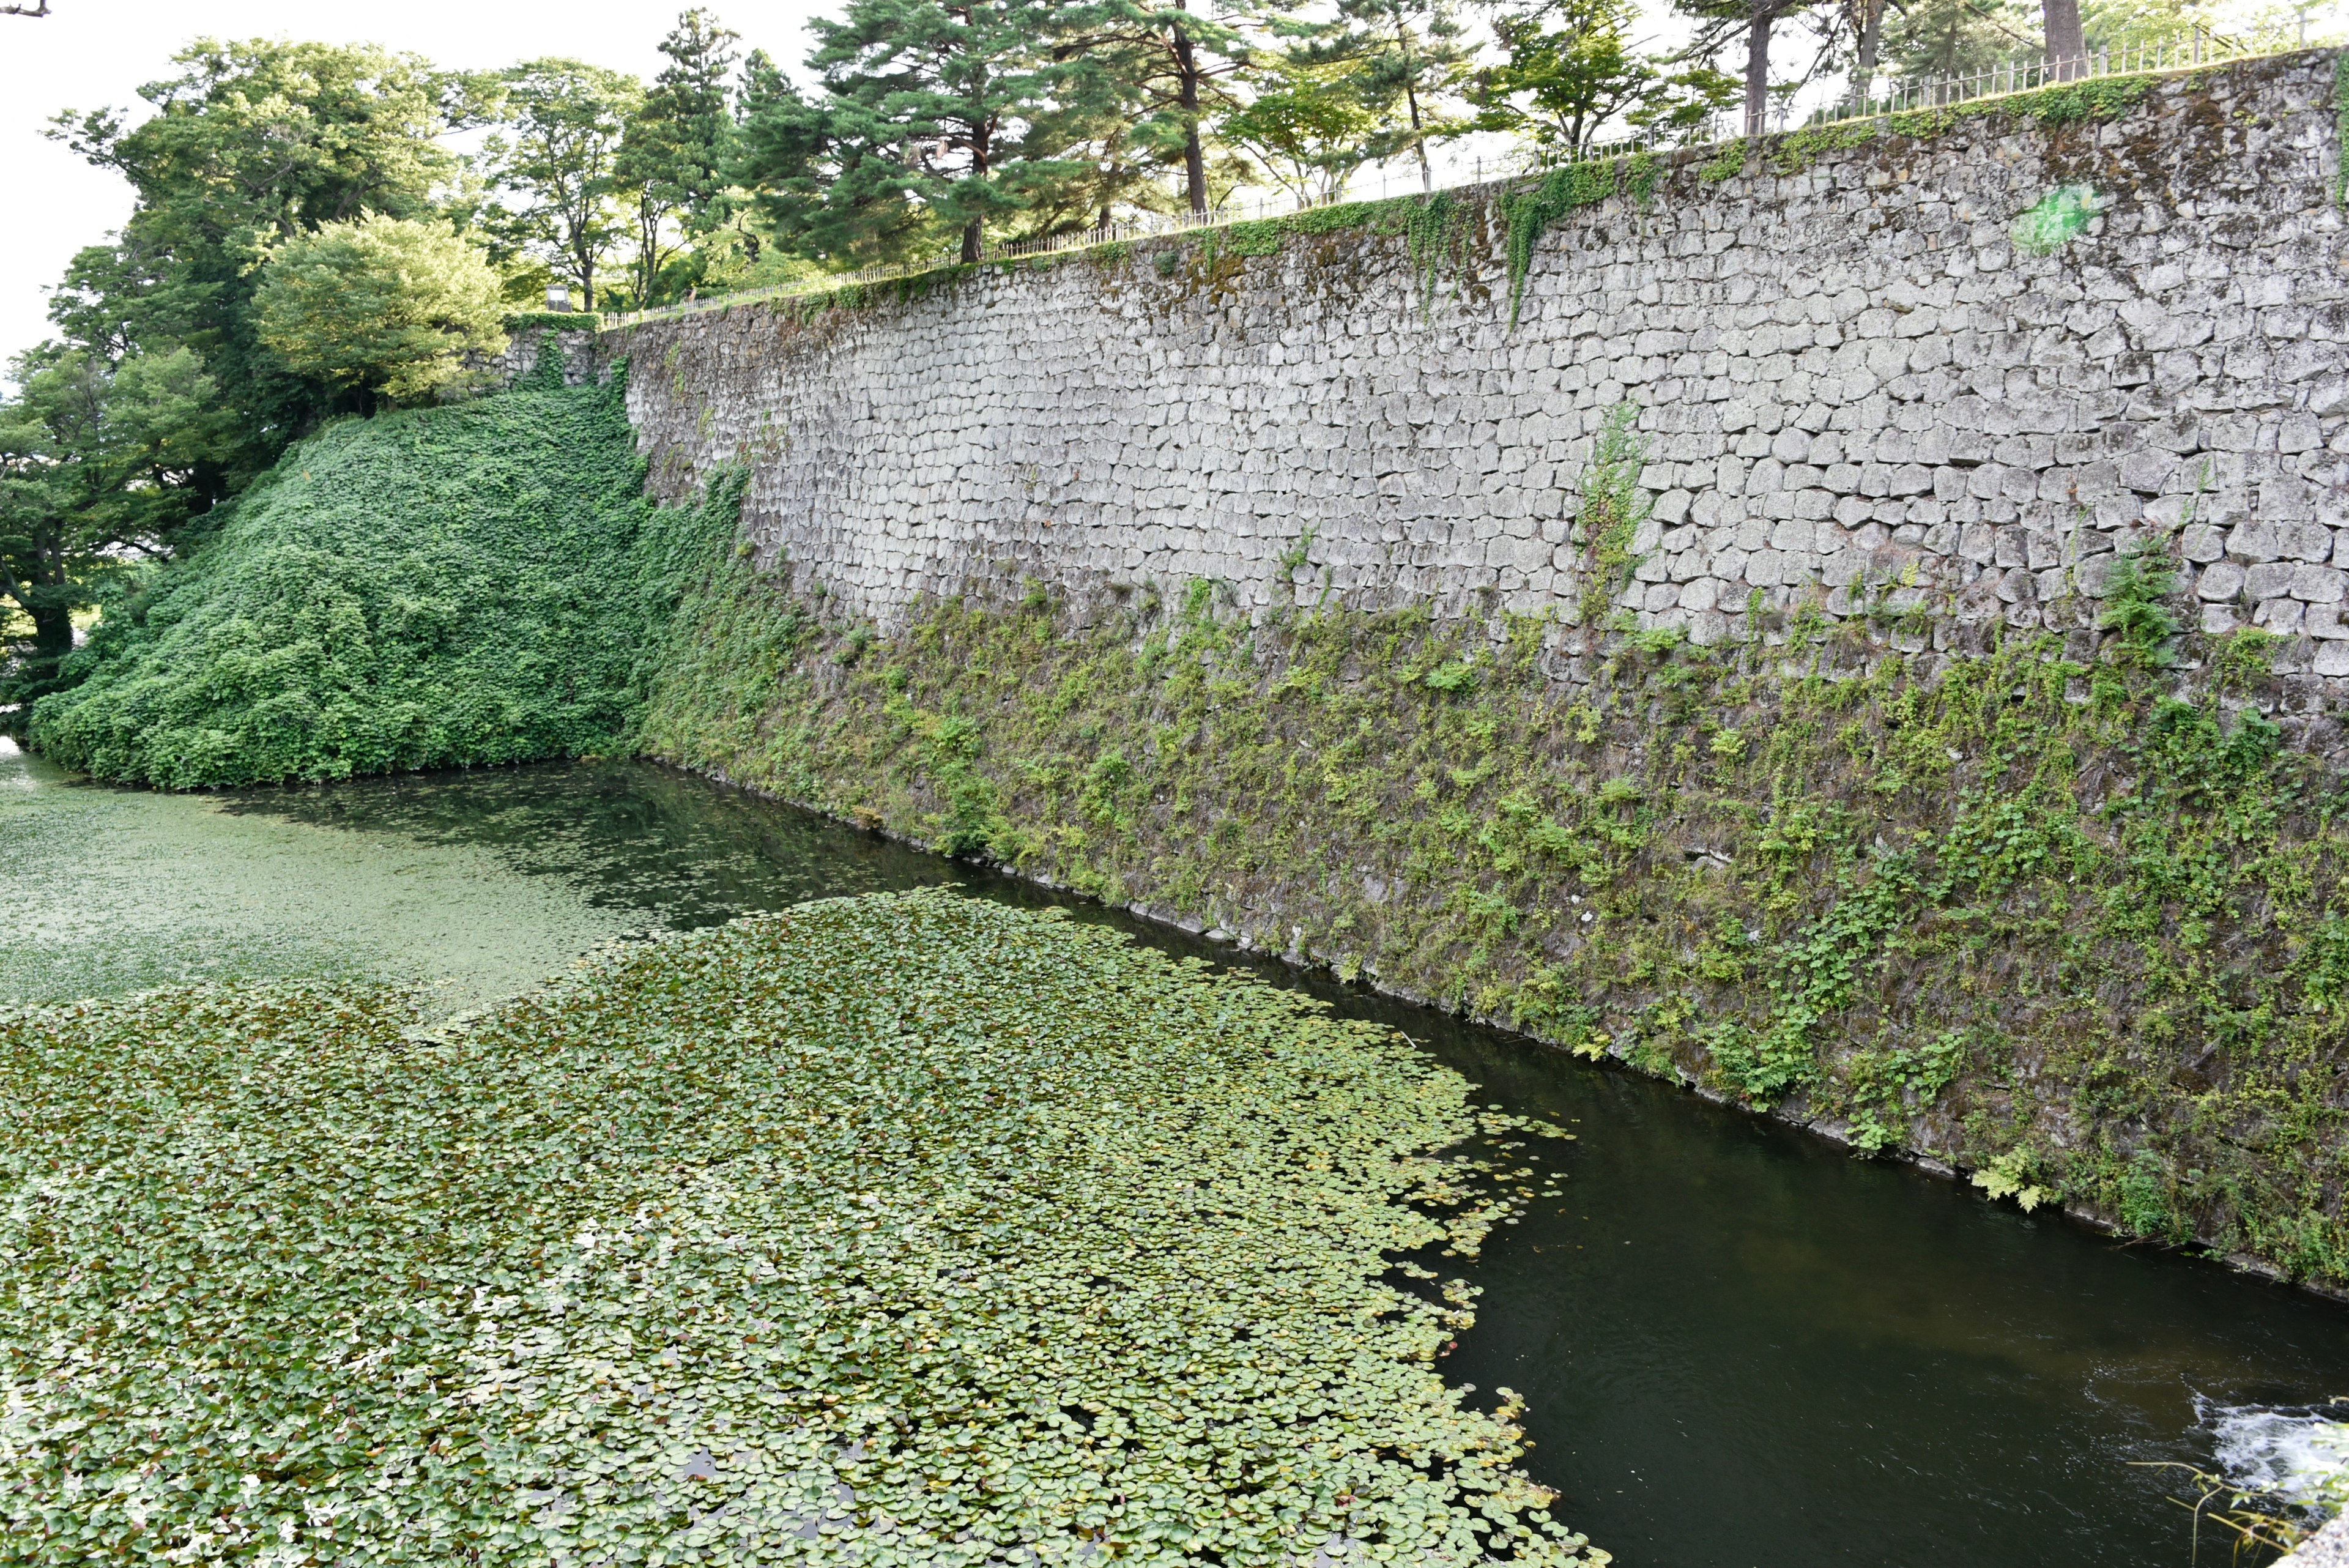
1742	1348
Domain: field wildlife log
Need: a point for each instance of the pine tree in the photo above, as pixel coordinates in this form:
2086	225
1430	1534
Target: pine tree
1179	67
1408	65
923	116
672	158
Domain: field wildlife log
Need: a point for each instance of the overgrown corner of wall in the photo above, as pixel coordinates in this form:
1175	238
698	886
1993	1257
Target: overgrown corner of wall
2341	121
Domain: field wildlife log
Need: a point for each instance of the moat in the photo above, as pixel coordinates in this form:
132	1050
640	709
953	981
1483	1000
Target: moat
1739	1345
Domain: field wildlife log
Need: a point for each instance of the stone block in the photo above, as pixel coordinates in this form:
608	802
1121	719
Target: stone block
2318	585
2219	581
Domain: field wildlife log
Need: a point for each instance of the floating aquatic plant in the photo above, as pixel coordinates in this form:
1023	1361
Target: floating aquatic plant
905	1227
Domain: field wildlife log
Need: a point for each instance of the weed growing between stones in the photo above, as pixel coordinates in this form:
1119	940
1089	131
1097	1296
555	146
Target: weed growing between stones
2341	116
906	1228
2048	919
1613	508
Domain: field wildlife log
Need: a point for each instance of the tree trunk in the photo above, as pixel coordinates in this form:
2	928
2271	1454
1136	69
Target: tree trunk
1411	96
1863	70
2067	46
972	233
1757	71
1194	151
52	641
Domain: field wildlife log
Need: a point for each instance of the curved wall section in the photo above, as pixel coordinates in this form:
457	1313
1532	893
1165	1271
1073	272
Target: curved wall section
1951	368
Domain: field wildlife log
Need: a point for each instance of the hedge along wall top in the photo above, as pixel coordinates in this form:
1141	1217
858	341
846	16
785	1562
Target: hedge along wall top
1951	364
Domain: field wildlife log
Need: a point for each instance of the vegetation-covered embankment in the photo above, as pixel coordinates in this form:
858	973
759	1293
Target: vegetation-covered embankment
480	583
908	1227
2055	923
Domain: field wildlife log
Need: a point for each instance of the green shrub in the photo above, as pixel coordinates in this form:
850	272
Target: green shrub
468	585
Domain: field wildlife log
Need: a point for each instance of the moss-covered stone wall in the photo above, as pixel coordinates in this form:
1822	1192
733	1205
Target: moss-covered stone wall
1961	361
1842	622
2079	929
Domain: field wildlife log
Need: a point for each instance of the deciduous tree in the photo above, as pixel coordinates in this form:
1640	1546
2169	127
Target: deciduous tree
1310	130
1569	72
558	168
249	145
99	463
385	307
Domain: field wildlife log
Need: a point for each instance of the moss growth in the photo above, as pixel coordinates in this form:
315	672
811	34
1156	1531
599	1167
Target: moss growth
449	587
2341	118
2021	910
557	320
1728	162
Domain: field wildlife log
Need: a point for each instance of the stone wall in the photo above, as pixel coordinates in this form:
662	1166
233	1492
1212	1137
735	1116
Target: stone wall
1855	381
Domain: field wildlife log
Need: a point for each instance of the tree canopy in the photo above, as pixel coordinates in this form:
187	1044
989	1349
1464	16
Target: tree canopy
386	306
308	241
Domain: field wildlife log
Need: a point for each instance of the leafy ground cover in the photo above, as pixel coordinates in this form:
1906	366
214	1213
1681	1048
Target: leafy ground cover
474	583
899	1228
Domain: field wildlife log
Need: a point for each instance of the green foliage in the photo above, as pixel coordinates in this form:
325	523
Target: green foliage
559	169
475	583
1889	1086
1305	130
669	175
1406	62
100	466
1727	162
2011	1176
250	144
1528	213
1440	234
2137	604
554	320
907	1217
918	132
2078	103
1613	508
1455	675
1569	71
390	306
1931	39
2341	117
2056	219
1958	912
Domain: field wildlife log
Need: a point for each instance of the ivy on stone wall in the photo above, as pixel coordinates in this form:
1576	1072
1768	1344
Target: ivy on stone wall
2341	118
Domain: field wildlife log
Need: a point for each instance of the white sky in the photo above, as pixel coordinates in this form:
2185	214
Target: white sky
88	54
91	54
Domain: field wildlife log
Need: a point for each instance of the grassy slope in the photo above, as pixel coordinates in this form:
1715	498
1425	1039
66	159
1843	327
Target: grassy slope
475	583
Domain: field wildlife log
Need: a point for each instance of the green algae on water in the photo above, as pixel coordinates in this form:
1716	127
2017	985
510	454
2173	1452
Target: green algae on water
906	1228
114	890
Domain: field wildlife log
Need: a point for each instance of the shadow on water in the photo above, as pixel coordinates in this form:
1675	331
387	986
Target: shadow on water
1741	1347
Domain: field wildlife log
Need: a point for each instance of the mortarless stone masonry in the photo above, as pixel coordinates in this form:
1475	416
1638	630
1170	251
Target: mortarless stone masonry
1853	384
